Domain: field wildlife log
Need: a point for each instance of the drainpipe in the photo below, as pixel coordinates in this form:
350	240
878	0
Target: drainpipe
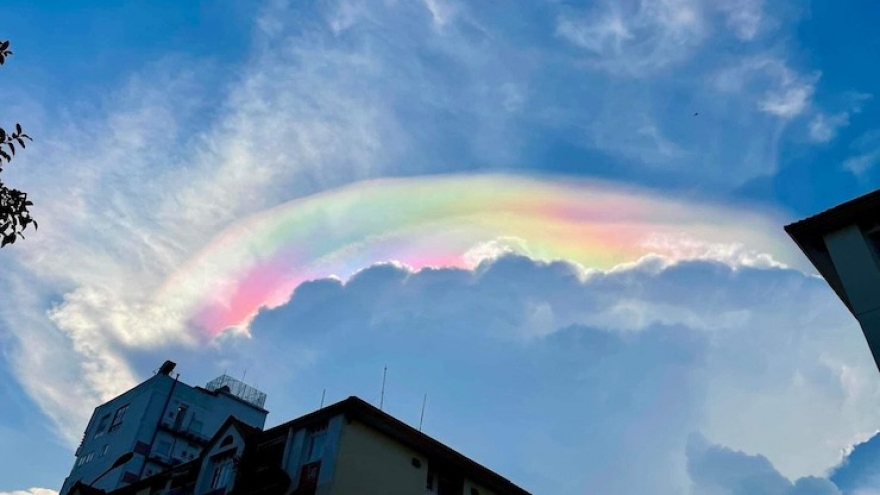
158	423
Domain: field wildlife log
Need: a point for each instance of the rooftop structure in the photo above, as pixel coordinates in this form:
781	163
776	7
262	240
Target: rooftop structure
239	389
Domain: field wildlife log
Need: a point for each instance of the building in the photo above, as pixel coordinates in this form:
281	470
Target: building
348	448
843	243
161	422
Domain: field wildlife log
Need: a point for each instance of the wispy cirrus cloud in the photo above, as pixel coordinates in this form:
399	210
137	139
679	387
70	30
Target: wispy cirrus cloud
744	17
774	87
635	38
865	153
135	186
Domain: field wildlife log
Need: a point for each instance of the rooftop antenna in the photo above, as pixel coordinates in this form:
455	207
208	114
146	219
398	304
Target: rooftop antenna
382	397
422	417
322	398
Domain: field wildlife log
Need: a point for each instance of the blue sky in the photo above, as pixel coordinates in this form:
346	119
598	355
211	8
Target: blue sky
707	368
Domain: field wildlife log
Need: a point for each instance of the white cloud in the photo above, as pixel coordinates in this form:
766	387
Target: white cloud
865	153
860	164
678	247
823	128
776	89
442	12
32	491
622	365
744	17
636	38
789	100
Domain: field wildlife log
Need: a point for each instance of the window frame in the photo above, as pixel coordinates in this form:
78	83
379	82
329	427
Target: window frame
118	418
222	472
101	427
316	438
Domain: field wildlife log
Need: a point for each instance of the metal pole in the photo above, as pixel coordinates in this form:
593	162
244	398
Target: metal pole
382	398
322	398
422	417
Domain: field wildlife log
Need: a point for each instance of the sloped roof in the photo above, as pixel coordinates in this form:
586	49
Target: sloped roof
858	210
809	235
371	416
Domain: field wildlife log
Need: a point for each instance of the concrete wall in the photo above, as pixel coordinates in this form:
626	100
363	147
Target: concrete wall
146	406
118	442
363	454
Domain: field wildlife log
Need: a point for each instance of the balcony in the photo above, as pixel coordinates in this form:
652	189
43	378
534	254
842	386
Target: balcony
185	433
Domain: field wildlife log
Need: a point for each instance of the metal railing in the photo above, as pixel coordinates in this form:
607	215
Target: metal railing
239	389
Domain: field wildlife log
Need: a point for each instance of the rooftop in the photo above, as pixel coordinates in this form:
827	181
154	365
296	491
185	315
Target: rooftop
856	211
359	410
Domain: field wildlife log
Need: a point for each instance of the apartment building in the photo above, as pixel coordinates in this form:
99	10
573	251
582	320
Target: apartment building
160	423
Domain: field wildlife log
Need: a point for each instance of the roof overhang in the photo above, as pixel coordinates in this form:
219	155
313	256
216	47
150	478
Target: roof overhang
809	234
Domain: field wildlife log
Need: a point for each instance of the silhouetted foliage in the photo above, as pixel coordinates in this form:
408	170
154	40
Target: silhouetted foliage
14	214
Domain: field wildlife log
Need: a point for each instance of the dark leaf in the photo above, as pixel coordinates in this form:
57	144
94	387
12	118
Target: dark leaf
35	225
2	135
18	129
5	155
4	45
11	147
2	59
7	240
20	141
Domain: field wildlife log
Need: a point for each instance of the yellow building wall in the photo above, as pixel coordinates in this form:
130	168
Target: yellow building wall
363	453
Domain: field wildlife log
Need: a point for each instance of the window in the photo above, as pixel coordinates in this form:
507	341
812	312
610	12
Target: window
316	446
102	425
104	450
221	473
118	417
